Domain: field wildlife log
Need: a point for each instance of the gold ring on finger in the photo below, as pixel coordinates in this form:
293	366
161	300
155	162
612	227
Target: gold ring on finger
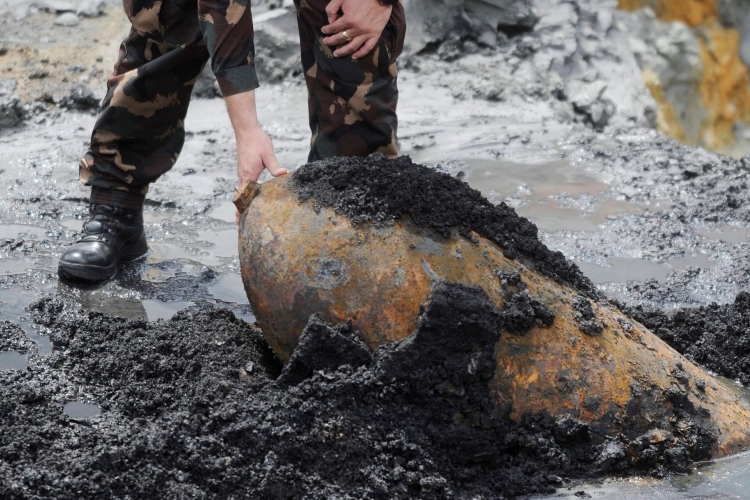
346	37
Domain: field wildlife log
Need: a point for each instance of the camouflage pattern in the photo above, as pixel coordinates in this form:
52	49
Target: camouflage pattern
352	103
139	133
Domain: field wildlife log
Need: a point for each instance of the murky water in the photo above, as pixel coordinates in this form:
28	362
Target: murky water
81	411
727	234
624	269
724	479
12	360
12	308
157	309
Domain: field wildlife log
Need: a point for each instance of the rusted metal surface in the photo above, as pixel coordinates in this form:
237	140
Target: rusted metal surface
297	261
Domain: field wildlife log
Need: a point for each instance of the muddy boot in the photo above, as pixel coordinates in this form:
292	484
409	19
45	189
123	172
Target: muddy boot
111	235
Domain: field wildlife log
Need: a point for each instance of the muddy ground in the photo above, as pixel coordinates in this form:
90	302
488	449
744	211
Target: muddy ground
103	394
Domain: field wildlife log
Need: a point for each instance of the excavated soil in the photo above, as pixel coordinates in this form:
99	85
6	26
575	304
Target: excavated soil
190	409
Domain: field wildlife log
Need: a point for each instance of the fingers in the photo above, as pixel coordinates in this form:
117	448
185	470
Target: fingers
332	10
335	27
273	166
340	39
351	47
368	47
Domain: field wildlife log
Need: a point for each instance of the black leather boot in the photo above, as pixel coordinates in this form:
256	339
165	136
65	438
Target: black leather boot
111	235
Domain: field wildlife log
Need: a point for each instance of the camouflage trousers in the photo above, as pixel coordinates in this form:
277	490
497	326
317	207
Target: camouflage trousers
140	131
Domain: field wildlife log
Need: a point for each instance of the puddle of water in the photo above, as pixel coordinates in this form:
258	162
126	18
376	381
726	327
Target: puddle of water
624	269
229	288
12	360
10	267
123	307
162	252
504	178
225	242
225	211
728	478
81	411
727	234
72	224
156	309
12	308
535	183
551	217
13	231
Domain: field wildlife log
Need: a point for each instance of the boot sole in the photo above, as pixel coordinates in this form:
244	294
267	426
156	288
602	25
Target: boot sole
93	274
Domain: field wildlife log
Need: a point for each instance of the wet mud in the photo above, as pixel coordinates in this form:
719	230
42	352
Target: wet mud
193	408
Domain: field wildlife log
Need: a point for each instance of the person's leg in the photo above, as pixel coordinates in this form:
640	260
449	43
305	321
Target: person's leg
139	133
352	103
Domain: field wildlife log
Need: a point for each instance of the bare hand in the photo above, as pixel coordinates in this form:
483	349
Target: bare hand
254	154
363	21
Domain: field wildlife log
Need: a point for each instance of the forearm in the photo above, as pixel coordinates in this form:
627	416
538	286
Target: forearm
242	113
254	148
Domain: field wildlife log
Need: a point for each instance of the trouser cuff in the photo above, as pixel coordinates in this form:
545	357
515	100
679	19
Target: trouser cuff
118	199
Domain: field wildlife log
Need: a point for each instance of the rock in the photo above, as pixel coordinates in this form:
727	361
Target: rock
611	457
736	14
66	19
587	100
11	112
7	86
678	459
373	243
91	8
277	44
503	13
38	74
431	21
57	6
671	52
80	98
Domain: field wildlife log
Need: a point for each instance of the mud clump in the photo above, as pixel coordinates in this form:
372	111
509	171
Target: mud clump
380	191
522	311
716	336
587	320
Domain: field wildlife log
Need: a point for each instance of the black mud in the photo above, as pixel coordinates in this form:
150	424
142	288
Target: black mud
716	337
191	409
379	191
